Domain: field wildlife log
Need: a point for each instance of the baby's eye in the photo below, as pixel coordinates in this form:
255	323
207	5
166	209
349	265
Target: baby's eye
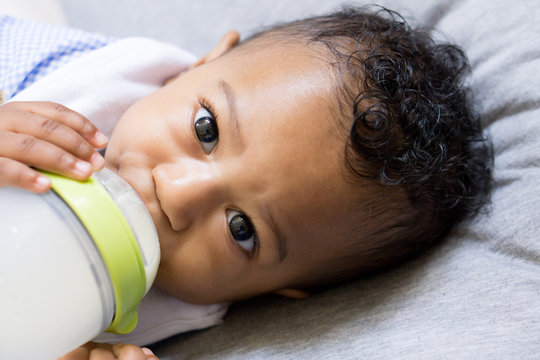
206	129
242	230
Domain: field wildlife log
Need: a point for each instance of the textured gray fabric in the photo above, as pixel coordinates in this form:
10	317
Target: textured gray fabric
477	295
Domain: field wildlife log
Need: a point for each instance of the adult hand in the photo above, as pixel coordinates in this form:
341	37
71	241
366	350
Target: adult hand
47	136
98	351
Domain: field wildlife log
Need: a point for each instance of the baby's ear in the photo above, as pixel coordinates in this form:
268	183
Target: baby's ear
227	42
293	293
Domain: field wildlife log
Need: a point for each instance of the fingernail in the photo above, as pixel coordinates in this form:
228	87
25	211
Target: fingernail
100	138
42	182
82	167
97	161
147	351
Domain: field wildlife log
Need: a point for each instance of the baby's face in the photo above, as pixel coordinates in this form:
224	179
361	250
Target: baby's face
241	166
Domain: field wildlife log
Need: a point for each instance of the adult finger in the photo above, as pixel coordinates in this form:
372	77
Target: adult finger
43	155
56	133
101	354
128	352
16	174
66	116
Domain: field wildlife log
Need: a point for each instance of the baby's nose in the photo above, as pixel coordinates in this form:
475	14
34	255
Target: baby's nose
186	191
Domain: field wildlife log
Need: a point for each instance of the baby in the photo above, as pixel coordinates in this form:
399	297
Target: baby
307	155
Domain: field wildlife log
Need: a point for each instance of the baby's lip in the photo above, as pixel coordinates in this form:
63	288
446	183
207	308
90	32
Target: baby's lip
146	189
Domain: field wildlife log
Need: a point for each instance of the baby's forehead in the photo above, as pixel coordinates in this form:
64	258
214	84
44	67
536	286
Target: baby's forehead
276	45
294	67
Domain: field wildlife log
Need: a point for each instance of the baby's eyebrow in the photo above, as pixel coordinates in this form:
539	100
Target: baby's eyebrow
231	104
278	232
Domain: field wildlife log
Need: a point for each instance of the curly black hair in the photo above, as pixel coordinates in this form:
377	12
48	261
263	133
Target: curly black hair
411	126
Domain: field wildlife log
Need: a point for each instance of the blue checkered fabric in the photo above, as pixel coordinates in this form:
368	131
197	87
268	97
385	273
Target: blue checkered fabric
29	50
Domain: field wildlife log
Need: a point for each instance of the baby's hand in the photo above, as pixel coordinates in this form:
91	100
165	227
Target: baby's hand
96	351
48	136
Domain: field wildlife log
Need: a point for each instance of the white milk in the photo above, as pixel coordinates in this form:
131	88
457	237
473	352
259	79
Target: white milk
44	250
55	290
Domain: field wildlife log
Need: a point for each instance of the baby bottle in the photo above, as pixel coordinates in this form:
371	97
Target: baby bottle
74	262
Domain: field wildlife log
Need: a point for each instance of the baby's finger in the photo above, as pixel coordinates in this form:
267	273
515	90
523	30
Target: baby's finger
44	155
16	174
68	117
57	133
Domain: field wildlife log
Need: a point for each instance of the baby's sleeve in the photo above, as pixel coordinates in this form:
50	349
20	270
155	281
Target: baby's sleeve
30	49
162	316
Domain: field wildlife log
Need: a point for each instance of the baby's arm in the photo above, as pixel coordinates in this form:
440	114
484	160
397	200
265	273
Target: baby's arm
47	136
97	351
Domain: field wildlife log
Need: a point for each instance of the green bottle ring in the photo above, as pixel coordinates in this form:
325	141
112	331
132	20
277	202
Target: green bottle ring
113	237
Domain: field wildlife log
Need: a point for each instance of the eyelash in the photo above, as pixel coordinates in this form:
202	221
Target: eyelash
230	215
203	102
207	138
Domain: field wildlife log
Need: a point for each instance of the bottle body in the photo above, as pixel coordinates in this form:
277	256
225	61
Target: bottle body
55	290
74	262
